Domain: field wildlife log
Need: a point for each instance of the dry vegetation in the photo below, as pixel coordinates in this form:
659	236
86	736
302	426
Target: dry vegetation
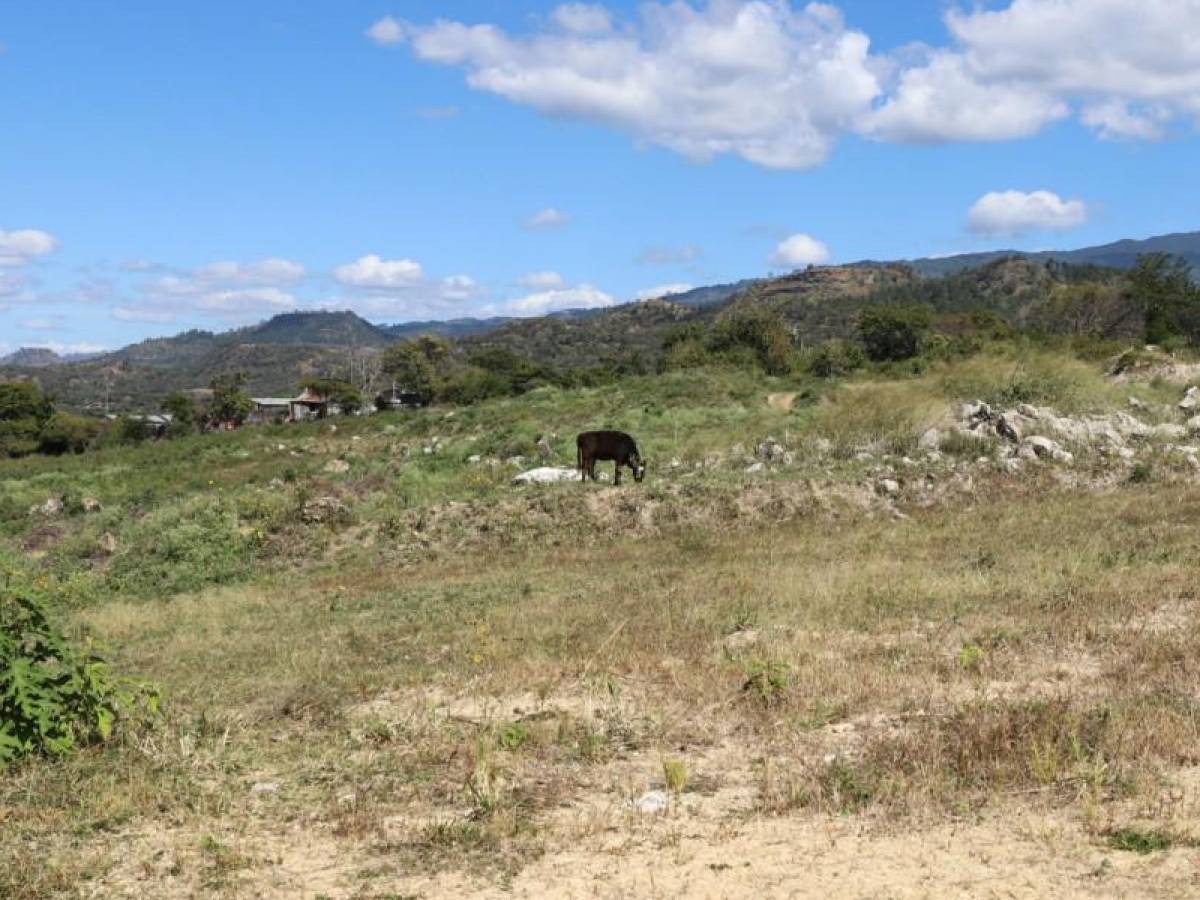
987	692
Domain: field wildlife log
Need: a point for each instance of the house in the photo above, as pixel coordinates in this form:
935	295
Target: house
309	405
270	409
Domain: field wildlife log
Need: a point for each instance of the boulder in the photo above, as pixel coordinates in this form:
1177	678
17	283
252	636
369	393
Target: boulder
888	487
930	439
1045	448
1028	411
52	507
320	510
1168	431
546	475
1193	425
1191	399
337	467
1008	426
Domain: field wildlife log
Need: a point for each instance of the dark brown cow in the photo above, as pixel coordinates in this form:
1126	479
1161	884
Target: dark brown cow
608	445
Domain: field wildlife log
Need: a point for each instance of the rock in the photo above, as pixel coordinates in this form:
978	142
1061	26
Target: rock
1027	452
52	507
651	802
674	463
737	450
788	458
337	467
823	445
517	461
740	640
1193	425
1125	453
474	459
333	429
108	543
320	510
1028	411
91	505
1043	446
545	450
755	468
1008	427
770	450
889	487
864	456
930	439
1012	466
264	787
1135	403
970	412
1168	431
546	475
1191	399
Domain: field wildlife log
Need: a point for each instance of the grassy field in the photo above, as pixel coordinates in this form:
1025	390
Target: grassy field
450	685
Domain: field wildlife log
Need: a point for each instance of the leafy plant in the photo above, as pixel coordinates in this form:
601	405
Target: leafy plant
767	681
53	697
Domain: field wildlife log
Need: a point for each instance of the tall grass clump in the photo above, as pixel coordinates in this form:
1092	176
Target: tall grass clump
883	416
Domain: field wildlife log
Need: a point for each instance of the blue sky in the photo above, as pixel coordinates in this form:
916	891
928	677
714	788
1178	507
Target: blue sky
165	166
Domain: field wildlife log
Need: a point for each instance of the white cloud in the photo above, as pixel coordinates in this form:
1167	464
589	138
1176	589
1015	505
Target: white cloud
547	218
17	248
1015	213
375	273
1133	67
583	18
670	256
761	80
777	83
541	281
44	323
66	349
582	297
663	290
142	314
246	302
459	287
271	271
800	250
387	32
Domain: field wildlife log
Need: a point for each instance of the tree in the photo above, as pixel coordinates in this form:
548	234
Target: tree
1161	286
893	332
229	402
761	331
417	365
182	409
24	411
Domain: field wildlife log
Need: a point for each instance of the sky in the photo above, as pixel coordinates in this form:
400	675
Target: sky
166	166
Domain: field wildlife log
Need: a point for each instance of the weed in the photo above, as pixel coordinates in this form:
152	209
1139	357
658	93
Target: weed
675	774
1136	840
768	682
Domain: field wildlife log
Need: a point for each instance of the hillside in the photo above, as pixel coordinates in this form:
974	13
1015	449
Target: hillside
1121	254
32	358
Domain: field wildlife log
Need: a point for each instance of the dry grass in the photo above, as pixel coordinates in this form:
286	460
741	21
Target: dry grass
473	714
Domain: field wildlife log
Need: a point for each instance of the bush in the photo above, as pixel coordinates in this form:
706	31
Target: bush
762	332
65	433
54	698
24	410
835	358
892	333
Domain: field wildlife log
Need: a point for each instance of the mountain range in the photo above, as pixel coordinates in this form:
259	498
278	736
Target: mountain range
277	353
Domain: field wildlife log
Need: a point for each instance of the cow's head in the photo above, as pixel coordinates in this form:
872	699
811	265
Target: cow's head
639	467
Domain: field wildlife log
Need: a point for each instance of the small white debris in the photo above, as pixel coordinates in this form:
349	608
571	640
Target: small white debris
264	787
888	487
337	467
651	802
755	468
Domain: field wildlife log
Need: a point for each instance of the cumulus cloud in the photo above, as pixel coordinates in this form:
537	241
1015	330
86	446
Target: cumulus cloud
547	218
1015	213
663	290
761	80
669	256
386	32
777	83
18	248
246	302
800	250
585	296
373	272
271	271
541	281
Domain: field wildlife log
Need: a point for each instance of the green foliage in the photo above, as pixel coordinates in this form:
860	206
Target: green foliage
417	365
835	358
131	430
65	433
1088	309
767	681
1136	840
182	409
1162	288
24	410
762	331
891	333
229	402
53	697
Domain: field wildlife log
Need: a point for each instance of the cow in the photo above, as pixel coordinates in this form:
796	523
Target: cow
614	445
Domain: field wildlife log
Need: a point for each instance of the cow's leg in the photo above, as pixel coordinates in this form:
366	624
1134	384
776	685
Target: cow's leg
617	472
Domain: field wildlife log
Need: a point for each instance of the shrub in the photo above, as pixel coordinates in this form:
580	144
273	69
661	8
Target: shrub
835	358
65	433
893	332
53	697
